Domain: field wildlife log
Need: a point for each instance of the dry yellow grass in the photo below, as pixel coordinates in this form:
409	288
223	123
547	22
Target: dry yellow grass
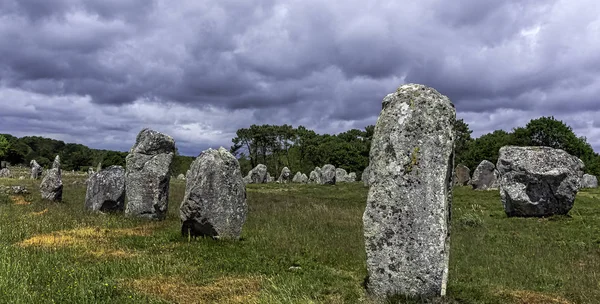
40	213
534	297
223	290
19	200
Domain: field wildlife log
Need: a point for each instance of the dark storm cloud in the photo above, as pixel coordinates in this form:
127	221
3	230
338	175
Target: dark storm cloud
202	69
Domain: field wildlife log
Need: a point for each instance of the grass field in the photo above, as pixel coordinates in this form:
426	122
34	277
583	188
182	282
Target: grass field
300	244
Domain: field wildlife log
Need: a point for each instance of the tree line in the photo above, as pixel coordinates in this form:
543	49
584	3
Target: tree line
301	149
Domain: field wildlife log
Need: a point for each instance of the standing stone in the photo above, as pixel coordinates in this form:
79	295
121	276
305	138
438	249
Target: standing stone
328	175
286	176
589	181
366	176
485	176
341	176
147	175
269	178
351	177
538	181
51	187
36	169
258	175
5	173
462	175
91	171
180	176
407	218
314	177
215	197
297	177
106	190
99	167
304	178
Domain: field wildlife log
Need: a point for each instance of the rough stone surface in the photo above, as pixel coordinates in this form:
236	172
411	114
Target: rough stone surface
297	177
341	176
328	175
315	176
462	175
106	190
91	171
485	176
51	187
351	177
215	197
5	173
14	189
36	169
538	181
285	176
180	176
147	175
258	175
270	179
589	181
304	178
366	177
407	218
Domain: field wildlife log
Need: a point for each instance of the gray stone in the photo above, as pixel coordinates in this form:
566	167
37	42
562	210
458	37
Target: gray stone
147	175
106	190
589	181
258	175
328	175
36	169
407	218
5	173
215	197
13	189
351	177
538	181
485	176
366	176
51	187
315	176
181	176
270	179
91	171
304	178
99	167
285	176
341	175
297	177
462	175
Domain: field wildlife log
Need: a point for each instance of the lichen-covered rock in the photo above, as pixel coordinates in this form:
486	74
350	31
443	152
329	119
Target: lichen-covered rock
297	177
36	169
341	175
328	175
366	176
351	177
407	218
5	173
106	190
285	176
485	176
462	175
538	181
315	176
51	187
258	175
589	181
147	175
304	178
215	197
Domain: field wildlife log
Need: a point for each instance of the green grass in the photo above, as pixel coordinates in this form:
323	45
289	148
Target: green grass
300	244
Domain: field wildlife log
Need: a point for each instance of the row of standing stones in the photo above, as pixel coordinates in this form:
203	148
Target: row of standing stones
328	175
410	177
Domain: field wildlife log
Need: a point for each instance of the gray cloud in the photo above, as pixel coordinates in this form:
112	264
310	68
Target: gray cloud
98	71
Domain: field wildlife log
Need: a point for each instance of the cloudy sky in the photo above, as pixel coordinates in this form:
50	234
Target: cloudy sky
97	71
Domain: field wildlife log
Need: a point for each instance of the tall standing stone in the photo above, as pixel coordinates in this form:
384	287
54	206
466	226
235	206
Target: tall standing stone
589	181
147	175
258	175
366	176
51	187
36	169
462	175
286	176
328	175
407	218
538	181
485	176
215	197
106	190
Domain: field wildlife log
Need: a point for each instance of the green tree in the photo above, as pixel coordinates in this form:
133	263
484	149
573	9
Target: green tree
462	142
4	146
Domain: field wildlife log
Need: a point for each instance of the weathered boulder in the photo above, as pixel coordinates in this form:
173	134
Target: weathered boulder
407	218
366	177
270	179
215	197
328	175
589	181
51	187
147	175
304	178
36	169
315	176
180	176
286	176
538	181
5	173
297	177
258	175
462	175
106	190
351	177
485	176
91	171
341	176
